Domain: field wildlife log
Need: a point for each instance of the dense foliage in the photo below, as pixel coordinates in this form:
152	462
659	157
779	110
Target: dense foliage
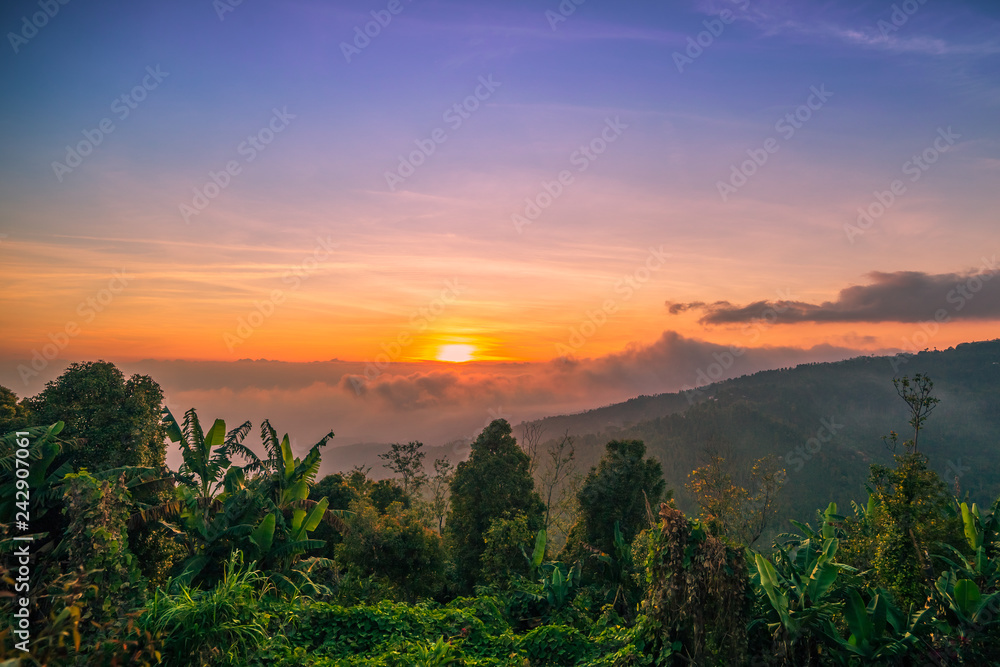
276	567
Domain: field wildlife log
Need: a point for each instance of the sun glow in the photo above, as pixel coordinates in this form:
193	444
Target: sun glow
455	353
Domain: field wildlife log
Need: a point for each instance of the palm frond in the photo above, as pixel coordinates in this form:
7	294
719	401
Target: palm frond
272	445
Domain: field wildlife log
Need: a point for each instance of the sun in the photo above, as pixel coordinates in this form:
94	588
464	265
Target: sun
455	353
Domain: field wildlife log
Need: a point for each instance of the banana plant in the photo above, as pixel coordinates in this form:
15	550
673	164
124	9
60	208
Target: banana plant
206	461
965	602
620	588
559	582
983	538
879	631
799	586
537	555
38	488
261	509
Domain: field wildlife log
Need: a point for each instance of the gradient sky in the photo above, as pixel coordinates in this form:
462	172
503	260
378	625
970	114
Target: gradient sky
438	258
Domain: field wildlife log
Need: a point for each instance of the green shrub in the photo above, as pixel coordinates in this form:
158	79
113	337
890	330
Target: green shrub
555	645
220	626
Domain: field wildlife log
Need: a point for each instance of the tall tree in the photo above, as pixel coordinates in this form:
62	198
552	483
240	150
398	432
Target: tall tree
492	484
621	488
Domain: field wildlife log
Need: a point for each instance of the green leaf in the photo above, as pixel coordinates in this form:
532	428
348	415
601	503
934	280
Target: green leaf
769	580
858	622
539	553
967	597
215	436
972	534
297	516
286	457
297	491
263	534
316	515
173	428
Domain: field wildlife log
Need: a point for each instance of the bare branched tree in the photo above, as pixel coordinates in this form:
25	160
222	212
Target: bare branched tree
558	493
531	438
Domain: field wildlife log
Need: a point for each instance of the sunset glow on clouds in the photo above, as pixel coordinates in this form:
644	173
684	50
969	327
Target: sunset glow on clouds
478	190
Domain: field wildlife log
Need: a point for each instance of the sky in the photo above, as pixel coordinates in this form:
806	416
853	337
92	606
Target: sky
422	214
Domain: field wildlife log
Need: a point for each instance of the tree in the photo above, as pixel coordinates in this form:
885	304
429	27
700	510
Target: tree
621	487
917	395
531	438
385	492
407	461
114	424
440	483
118	419
14	414
560	465
910	511
492	483
503	555
736	502
394	547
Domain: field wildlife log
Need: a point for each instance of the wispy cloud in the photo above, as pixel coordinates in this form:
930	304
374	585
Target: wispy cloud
889	29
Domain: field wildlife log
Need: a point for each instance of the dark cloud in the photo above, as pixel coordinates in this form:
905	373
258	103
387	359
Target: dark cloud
903	296
681	307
